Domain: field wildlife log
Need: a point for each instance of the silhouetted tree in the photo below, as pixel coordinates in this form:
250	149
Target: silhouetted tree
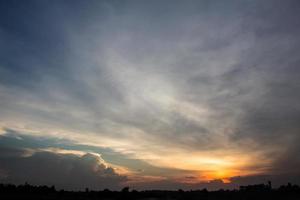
125	190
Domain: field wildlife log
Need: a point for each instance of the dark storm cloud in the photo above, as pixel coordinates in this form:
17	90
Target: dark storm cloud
63	170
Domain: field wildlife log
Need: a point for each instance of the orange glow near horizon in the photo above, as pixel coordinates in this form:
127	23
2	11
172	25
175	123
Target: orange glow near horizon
202	166
223	174
218	165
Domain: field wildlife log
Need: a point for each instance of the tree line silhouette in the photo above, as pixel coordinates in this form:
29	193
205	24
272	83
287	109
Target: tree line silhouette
259	191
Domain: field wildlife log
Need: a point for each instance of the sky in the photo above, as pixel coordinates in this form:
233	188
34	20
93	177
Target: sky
149	94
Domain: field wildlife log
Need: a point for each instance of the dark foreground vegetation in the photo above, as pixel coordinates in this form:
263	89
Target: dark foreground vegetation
261	191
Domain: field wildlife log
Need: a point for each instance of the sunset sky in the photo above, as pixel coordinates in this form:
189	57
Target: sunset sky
149	94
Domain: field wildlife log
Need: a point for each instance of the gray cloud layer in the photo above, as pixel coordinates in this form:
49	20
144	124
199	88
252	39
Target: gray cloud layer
66	171
151	78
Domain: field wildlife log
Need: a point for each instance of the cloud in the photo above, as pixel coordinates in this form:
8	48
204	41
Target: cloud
30	159
66	171
164	84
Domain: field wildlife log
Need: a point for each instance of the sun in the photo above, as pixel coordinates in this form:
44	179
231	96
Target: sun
223	175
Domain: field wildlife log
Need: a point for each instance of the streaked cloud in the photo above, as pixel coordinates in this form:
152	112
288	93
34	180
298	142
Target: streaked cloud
162	90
